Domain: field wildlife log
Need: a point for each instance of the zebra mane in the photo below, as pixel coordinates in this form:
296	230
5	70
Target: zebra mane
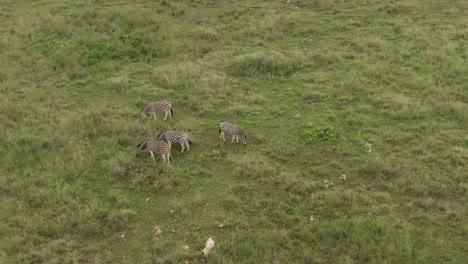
160	134
241	132
144	109
142	144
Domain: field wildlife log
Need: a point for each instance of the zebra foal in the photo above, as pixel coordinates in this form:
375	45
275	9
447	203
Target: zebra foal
230	129
159	106
155	147
173	137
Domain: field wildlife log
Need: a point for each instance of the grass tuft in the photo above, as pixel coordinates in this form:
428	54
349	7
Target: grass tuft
270	64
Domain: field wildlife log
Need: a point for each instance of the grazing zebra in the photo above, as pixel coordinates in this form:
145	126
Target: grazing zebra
176	137
155	146
160	106
230	129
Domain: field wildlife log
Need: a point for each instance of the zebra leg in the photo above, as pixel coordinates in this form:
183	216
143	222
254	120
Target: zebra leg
168	158
183	146
237	137
165	115
233	136
154	115
164	158
152	155
222	136
187	143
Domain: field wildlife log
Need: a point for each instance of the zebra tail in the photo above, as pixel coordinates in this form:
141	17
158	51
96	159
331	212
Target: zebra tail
190	142
172	113
220	130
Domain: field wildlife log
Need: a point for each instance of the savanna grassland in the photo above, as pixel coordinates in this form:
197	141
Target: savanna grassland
311	82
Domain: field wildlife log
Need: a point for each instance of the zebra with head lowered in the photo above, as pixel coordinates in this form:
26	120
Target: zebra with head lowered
230	129
160	106
173	137
155	147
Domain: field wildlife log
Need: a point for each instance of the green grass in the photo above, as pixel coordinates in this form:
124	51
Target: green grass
310	82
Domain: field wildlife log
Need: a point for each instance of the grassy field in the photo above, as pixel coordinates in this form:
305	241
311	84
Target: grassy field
309	81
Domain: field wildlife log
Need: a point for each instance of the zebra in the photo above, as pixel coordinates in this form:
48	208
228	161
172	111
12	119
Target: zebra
176	137
155	146
160	106
230	129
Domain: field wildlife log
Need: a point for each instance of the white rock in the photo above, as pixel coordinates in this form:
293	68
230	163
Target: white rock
209	245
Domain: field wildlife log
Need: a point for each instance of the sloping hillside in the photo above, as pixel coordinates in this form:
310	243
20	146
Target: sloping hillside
355	114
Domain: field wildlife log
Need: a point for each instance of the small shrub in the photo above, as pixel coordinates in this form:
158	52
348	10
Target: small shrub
314	134
209	35
314	97
52	25
68	61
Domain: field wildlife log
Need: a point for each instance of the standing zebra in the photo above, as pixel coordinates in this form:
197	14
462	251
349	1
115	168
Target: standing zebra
176	137
155	146
230	129
160	106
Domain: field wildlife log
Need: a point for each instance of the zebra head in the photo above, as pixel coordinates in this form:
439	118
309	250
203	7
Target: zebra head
141	147
244	139
142	116
143	113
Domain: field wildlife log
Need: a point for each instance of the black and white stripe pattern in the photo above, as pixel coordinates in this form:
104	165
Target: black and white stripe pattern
160	106
230	129
173	137
155	147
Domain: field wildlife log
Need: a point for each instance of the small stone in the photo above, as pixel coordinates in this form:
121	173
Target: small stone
157	231
186	247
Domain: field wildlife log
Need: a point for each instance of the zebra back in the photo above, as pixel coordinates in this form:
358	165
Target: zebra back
163	106
174	136
159	146
230	129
